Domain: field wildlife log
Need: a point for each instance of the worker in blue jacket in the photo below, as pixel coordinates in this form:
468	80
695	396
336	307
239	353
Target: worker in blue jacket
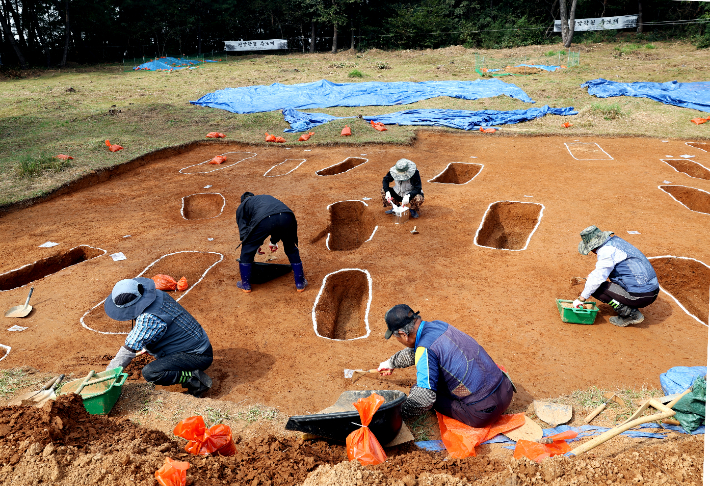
164	329
632	280
455	375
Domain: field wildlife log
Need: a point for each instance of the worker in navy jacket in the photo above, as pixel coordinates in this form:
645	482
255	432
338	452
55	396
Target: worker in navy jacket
455	375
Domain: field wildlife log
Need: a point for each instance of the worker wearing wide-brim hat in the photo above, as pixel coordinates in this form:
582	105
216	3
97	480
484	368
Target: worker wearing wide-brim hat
164	329
632	280
407	190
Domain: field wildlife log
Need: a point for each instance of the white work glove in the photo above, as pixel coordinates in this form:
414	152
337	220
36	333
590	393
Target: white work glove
577	304
388	197
405	200
273	248
122	359
385	368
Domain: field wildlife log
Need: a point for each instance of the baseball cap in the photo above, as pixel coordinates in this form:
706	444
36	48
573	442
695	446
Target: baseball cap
398	317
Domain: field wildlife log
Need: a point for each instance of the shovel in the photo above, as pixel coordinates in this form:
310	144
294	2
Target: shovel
51	394
357	374
31	395
21	310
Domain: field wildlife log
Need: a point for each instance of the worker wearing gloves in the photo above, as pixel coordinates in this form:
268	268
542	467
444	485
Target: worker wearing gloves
455	375
633	283
407	190
164	329
262	216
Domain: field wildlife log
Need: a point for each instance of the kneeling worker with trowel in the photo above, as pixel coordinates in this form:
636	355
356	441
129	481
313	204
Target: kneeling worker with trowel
633	280
165	330
407	190
455	375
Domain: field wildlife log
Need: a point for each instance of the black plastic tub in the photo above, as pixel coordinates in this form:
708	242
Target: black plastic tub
337	421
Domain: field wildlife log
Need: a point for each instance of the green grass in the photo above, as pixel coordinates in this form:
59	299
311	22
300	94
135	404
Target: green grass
215	416
626	49
256	413
421	427
607	111
34	165
12	380
355	74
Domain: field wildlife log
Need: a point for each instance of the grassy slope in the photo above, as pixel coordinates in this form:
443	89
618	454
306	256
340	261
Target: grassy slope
39	117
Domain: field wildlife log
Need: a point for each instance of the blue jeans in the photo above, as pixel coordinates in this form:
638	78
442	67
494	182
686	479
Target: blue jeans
165	371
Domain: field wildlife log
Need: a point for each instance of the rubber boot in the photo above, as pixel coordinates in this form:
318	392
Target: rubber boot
198	383
627	316
245	273
298	276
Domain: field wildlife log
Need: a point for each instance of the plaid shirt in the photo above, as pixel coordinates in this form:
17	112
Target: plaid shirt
148	329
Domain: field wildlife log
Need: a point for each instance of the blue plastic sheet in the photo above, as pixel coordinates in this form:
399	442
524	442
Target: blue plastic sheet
324	94
680	378
461	119
166	64
688	95
539	66
431	445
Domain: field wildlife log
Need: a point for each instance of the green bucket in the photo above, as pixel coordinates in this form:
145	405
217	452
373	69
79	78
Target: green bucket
101	392
577	316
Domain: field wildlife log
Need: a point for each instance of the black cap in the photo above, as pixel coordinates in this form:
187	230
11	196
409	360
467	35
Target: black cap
398	317
246	195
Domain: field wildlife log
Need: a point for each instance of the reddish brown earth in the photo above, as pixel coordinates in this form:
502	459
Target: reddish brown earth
689	167
693	198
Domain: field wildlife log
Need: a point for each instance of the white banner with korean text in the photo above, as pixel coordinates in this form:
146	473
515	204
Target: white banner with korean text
255	45
602	23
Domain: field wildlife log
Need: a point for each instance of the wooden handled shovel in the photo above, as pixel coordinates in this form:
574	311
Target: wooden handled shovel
598	410
30	395
357	374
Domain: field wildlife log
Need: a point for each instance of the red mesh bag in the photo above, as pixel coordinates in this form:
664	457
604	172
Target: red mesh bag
269	138
305	136
380	127
537	452
362	444
461	439
215	135
164	282
172	473
65	157
346	132
219	159
182	284
112	147
279	139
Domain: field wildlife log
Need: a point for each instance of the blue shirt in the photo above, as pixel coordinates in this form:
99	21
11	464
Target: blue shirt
148	329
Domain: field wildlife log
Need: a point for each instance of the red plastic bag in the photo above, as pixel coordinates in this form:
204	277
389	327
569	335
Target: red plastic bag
65	157
269	138
219	159
461	439
487	130
699	121
172	473
346	132
182	284
305	136
566	125
279	139
113	148
380	127
215	440
537	452
164	282
362	444
216	135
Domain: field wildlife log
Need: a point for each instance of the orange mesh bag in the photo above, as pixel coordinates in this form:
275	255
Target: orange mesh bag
182	284
487	130
380	127
164	282
305	136
346	132
218	441
65	157
112	147
215	135
279	139
172	473
537	452
269	138
219	159
461	439
699	121
362	444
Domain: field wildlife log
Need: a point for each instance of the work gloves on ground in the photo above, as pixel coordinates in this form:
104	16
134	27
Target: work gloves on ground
385	368
577	304
273	247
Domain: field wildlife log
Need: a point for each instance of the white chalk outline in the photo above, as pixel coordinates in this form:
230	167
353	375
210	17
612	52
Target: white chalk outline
343	172
287	173
23	266
679	185
220	166
367	309
447	167
327	238
539	220
587	143
688	144
686	160
221	257
7	351
671	295
182	208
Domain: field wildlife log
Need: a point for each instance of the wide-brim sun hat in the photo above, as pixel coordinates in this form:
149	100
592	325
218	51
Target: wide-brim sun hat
133	307
592	237
403	170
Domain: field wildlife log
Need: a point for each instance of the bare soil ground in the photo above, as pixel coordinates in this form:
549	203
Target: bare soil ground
266	349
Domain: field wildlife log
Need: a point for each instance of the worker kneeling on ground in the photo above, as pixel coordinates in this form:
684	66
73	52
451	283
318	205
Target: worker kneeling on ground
262	216
633	281
407	190
455	375
164	329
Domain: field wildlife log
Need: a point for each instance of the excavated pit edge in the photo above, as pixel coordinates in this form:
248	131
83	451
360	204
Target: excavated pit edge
671	295
219	167
447	167
182	208
680	185
367	309
587	143
342	161
281	163
539	219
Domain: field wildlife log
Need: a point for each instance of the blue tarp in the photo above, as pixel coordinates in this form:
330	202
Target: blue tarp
324	94
680	378
539	66
166	64
461	119
688	95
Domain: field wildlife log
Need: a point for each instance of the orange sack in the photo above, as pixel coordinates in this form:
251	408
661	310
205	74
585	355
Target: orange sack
699	121
172	473
380	127
217	440
566	125
305	136
362	444
113	148
164	282
461	439
537	452
346	132
219	159
215	135
269	138
487	130
279	139
65	157
182	284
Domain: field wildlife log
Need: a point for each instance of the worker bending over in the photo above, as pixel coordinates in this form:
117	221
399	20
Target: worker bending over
165	330
262	216
633	282
407	190
455	375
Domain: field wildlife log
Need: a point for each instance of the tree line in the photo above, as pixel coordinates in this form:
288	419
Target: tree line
57	32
